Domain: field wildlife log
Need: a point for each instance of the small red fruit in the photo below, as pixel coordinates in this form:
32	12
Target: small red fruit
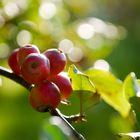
35	68
43	96
13	63
57	60
64	84
25	50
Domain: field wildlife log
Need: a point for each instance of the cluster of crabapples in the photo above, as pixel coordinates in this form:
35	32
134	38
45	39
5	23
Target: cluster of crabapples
45	72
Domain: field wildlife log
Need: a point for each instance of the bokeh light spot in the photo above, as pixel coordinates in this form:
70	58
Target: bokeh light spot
11	9
4	50
98	24
22	4
75	55
102	65
111	32
85	31
24	37
47	10
66	45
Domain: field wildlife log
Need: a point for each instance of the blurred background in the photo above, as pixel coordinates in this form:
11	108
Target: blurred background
104	33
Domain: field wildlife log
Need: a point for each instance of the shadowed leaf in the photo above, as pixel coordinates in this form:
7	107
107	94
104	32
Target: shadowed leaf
80	81
135	102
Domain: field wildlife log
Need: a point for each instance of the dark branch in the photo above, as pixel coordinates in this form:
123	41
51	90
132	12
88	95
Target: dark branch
9	74
70	119
54	112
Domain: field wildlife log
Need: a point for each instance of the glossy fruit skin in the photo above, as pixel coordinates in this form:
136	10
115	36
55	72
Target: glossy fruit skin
13	63
35	68
25	50
43	96
63	83
57	60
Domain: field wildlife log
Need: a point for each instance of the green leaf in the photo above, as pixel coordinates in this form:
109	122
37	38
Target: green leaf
130	85
138	80
0	81
110	89
129	136
80	81
135	103
138	87
83	87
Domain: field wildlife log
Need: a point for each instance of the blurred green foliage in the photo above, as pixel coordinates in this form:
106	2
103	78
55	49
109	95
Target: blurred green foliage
86	31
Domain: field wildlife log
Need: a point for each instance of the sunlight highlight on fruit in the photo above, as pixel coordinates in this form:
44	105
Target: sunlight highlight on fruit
24	37
57	60
47	10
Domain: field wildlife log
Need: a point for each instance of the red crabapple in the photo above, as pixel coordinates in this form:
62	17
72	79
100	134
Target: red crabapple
63	83
43	96
57	60
35	68
13	63
25	50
